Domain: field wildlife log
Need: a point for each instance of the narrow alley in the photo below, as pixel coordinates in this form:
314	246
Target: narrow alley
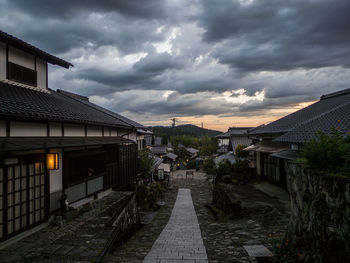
263	223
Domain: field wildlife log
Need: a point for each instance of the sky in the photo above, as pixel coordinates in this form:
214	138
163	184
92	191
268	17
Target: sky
221	62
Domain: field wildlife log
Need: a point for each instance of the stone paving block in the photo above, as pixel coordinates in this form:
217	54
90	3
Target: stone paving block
177	261
180	240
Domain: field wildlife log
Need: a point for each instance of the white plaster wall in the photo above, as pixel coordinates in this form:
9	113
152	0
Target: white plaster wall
140	137
2	60
74	130
132	136
25	129
258	167
114	132
224	142
21	58
41	73
56	177
55	129
2	128
106	131
94	131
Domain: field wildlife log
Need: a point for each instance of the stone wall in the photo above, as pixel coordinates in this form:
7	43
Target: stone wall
124	223
318	230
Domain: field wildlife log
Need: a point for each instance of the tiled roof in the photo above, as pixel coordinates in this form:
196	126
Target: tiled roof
20	44
297	119
156	162
171	156
227	156
86	101
234	131
22	103
158	149
192	150
336	118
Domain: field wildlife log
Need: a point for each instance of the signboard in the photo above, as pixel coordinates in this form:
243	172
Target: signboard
160	174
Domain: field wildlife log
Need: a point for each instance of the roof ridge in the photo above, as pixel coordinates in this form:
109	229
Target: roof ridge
335	94
10	82
105	111
73	95
25	46
320	115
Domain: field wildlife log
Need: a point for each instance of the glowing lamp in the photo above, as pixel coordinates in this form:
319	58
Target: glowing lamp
52	161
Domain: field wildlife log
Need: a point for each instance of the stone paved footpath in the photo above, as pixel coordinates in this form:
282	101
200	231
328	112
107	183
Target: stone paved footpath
80	240
181	239
224	238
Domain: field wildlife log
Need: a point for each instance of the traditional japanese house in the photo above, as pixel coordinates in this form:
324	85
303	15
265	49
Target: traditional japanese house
281	140
53	142
229	140
170	158
159	150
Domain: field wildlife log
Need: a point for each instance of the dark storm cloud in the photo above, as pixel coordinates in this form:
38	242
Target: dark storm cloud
82	31
278	35
143	75
67	9
156	63
292	51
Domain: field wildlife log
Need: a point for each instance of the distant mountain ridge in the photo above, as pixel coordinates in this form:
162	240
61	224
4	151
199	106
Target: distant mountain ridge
186	129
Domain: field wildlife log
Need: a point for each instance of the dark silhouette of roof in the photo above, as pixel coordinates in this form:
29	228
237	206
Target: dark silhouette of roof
85	100
27	104
20	44
234	131
324	114
336	118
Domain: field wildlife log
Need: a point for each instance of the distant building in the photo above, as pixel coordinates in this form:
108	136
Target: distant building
229	140
280	141
158	150
192	152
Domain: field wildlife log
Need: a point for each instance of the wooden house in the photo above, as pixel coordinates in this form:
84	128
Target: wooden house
280	141
229	140
54	142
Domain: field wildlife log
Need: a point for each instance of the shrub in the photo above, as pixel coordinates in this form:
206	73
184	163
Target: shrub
145	164
148	195
239	151
209	166
241	171
224	167
141	194
328	152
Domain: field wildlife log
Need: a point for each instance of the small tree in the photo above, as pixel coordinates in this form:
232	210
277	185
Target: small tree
224	167
209	166
182	155
164	140
145	164
239	151
327	152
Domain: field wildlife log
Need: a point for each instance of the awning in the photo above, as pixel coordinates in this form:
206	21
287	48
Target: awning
287	154
144	131
266	148
35	143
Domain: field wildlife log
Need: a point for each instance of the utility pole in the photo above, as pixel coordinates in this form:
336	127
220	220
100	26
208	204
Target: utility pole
174	120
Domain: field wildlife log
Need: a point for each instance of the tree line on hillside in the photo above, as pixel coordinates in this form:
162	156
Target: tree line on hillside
188	129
